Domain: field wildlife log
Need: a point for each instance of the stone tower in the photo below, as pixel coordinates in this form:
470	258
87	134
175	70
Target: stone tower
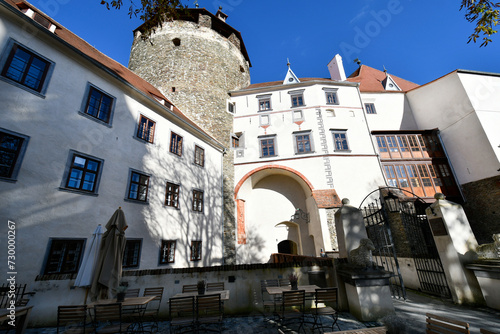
195	60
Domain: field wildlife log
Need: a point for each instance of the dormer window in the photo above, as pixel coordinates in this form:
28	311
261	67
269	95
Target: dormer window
39	18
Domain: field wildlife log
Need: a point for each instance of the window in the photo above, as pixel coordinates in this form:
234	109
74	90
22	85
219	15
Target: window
138	187
146	129
64	256
264	103
370	108
382	145
197	200
176	144
401	173
297	100
231	107
235	141
98	105
303	143
195	250
26	68
267	148
12	148
83	173
167	251
132	253
391	176
172	195
331	98
199	156
340	141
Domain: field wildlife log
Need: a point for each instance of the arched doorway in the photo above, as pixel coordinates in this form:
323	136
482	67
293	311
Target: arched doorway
287	247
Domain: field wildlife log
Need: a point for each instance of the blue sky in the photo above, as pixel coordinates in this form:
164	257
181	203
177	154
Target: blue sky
415	40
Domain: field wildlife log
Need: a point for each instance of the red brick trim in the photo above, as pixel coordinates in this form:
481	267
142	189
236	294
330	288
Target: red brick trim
256	170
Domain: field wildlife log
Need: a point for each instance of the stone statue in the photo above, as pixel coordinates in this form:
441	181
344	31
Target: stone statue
361	257
490	251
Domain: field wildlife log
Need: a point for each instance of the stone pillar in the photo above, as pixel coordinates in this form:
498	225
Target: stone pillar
350	228
365	291
455	243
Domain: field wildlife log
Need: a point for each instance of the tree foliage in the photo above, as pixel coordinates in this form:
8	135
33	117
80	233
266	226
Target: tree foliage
151	12
485	14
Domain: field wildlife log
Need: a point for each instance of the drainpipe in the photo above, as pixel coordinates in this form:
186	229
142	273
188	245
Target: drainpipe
371	138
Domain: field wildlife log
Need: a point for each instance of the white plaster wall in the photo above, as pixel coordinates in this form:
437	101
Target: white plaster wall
392	111
42	211
451	104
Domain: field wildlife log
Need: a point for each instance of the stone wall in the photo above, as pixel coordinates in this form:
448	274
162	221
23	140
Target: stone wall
482	207
195	67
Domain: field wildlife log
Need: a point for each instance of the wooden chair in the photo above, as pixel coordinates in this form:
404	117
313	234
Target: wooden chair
130	293
209	312
108	319
326	304
182	314
217	286
190	288
268	302
72	319
283	282
153	308
442	325
292	308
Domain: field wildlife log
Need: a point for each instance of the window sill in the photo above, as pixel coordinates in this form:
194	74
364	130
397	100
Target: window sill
76	191
136	201
144	141
170	206
302	153
264	110
342	151
301	106
26	88
332	104
8	179
268	156
97	120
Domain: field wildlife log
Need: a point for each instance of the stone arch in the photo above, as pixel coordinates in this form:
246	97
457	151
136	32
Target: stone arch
270	168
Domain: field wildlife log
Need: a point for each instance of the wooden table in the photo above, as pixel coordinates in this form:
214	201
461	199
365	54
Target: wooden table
370	330
224	294
278	290
22	314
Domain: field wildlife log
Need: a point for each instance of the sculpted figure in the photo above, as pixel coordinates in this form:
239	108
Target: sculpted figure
361	257
490	251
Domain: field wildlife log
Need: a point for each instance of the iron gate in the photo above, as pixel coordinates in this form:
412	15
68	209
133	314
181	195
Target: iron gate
384	255
407	215
423	248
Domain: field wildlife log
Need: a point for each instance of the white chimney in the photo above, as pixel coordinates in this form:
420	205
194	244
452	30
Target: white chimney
336	68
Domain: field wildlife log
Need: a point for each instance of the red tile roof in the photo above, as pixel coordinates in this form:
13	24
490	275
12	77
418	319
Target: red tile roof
371	79
113	66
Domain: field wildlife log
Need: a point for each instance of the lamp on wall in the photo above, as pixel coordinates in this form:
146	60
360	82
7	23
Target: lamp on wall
300	214
392	202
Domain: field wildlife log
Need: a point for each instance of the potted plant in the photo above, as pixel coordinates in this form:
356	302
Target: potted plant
201	287
293	281
120	291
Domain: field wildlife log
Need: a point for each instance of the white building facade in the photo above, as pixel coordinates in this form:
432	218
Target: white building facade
81	136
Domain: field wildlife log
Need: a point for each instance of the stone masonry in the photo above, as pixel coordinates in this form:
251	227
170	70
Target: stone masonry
195	67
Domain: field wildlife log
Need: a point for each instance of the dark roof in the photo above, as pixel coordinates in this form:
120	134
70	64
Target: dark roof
224	29
115	68
371	80
277	83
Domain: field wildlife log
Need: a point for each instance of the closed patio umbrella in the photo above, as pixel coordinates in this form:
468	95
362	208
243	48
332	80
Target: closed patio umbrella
86	272
108	270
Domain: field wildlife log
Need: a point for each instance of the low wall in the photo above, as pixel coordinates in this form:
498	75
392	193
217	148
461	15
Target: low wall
243	282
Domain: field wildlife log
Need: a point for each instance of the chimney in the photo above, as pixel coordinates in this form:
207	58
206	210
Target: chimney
220	15
336	69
